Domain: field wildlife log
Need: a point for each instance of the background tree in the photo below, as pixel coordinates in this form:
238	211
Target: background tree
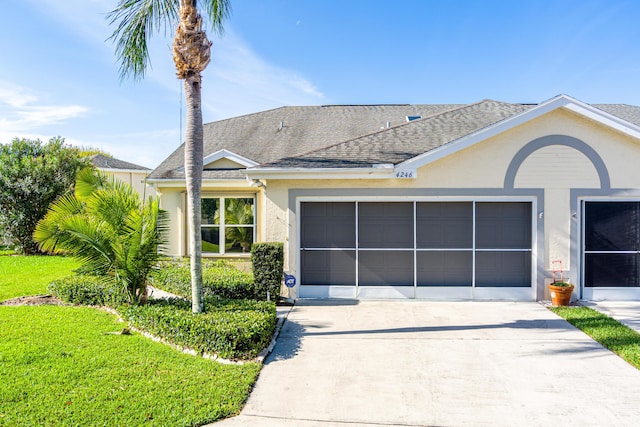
32	176
106	226
136	21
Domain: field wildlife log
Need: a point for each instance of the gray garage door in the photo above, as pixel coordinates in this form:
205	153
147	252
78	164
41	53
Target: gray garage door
611	251
411	248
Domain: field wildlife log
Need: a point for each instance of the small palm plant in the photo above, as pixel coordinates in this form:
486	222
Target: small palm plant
106	226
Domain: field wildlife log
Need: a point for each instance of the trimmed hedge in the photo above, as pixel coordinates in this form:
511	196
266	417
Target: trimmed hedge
82	289
219	279
268	263
232	329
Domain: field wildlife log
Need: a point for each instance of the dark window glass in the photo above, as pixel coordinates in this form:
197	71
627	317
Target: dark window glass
210	211
385	225
238	239
210	239
394	268
444	225
445	268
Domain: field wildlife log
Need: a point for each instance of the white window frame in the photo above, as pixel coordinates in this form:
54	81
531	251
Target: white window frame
223	225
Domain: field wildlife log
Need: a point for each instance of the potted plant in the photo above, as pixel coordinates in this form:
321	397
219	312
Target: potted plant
560	293
559	289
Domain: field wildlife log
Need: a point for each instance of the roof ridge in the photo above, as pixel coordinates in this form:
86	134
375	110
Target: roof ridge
255	113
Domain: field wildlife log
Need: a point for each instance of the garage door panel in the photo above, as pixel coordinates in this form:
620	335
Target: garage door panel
612	226
444	268
611	270
503	269
503	225
328	267
385	225
328	225
391	268
444	225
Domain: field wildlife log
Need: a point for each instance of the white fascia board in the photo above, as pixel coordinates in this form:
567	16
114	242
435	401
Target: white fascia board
210	183
226	154
377	172
606	119
560	101
112	170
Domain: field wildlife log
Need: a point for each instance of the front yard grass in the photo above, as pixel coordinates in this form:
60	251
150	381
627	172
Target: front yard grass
612	334
59	366
30	275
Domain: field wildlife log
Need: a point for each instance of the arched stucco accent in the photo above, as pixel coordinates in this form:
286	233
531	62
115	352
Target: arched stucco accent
565	140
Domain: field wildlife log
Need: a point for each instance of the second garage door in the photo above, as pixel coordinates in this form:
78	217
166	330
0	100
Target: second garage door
418	249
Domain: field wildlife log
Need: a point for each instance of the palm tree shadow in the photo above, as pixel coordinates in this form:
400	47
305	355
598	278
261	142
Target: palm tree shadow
289	342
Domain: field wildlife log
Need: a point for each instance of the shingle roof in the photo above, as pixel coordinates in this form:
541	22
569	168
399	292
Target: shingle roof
349	135
406	141
288	131
104	162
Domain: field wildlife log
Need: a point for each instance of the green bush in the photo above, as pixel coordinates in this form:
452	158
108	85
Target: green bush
219	279
32	175
233	329
88	290
268	260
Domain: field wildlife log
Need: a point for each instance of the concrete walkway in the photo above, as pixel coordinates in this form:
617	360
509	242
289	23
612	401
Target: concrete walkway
625	312
416	363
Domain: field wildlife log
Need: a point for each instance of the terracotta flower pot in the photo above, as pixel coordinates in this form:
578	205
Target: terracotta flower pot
560	295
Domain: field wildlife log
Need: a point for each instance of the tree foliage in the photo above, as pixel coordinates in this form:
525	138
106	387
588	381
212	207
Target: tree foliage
106	226
32	176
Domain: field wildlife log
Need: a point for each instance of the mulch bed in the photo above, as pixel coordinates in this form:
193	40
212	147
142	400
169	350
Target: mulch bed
34	300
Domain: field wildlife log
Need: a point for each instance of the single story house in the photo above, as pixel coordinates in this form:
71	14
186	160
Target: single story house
130	173
464	202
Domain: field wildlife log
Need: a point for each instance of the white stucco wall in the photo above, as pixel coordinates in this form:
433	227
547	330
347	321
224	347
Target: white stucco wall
134	179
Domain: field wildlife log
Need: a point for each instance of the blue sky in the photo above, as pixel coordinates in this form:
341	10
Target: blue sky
59	75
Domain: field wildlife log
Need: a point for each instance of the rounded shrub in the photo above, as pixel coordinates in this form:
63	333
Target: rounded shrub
88	290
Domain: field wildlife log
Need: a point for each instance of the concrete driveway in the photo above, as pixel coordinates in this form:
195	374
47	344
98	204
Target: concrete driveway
416	363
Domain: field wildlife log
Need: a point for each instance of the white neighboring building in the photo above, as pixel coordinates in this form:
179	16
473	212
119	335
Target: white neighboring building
132	174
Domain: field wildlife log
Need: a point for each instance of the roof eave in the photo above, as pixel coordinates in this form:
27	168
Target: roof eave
208	182
374	172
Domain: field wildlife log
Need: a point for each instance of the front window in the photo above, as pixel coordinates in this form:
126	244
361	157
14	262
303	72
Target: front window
228	224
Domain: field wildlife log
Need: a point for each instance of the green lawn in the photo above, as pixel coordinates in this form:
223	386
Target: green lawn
60	367
30	275
609	332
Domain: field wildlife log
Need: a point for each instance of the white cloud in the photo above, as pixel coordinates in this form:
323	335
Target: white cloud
239	81
21	110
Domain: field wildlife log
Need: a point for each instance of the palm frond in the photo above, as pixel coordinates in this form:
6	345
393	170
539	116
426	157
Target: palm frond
136	21
88	181
217	11
49	231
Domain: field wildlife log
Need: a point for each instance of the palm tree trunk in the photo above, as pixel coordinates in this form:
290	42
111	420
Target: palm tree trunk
193	164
